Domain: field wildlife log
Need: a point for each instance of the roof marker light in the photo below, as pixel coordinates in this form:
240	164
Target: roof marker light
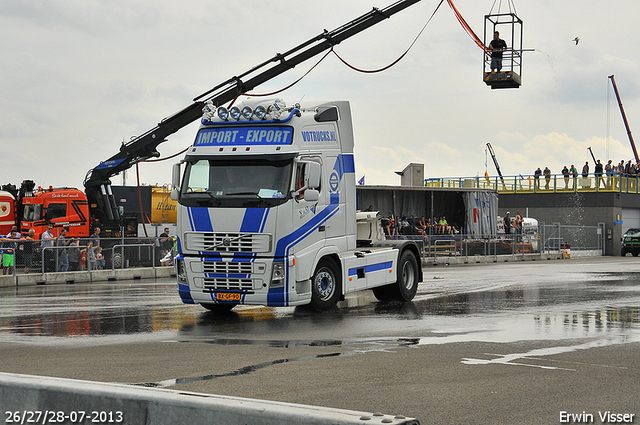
223	113
247	113
235	113
261	112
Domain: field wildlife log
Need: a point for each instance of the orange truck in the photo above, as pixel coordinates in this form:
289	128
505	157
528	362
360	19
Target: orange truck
63	207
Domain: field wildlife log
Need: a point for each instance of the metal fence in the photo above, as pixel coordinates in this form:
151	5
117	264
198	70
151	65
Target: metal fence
545	239
556	183
24	256
148	252
558	236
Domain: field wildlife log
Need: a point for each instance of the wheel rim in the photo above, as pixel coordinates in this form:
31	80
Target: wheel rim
408	275
325	285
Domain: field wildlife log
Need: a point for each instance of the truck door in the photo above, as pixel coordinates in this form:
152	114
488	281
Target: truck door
309	216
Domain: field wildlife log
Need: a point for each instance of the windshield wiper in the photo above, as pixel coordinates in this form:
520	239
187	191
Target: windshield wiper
199	194
243	193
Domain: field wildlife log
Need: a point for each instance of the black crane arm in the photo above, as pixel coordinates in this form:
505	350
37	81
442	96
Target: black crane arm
97	181
145	145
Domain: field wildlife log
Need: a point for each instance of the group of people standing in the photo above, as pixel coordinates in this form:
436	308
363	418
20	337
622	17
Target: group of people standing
61	253
609	170
514	224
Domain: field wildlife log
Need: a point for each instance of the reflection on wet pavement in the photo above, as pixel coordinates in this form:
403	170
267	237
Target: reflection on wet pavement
607	304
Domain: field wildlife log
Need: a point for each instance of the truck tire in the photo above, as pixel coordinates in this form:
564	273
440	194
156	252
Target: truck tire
405	288
326	285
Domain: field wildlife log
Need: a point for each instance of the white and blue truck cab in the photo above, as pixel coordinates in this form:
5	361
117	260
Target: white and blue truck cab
267	212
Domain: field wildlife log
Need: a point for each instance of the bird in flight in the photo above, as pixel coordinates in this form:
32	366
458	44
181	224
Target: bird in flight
577	40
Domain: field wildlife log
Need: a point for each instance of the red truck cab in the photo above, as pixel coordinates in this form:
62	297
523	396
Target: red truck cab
63	207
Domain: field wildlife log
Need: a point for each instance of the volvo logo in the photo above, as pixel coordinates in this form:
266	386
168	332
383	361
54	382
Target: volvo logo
226	242
334	180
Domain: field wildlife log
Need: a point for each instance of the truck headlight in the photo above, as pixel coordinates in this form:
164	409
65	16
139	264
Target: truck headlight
277	274
181	271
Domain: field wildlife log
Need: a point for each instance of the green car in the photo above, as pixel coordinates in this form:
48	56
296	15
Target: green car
631	242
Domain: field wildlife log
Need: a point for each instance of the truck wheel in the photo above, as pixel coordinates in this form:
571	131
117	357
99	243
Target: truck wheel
326	287
623	252
634	253
383	293
407	284
405	288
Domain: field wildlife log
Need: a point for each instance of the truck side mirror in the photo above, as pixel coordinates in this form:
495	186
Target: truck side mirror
175	182
311	195
313	175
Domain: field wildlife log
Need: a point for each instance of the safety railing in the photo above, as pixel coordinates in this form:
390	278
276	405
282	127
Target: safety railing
555	183
546	239
123	255
86	255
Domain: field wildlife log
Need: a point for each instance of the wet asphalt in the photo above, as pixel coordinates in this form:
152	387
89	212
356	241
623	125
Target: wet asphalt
519	342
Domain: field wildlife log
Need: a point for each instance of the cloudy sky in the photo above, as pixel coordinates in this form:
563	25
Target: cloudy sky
79	77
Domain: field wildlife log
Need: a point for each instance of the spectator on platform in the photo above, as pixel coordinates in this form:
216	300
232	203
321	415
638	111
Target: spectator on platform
536	176
422	226
547	177
574	173
444	226
565	174
608	169
598	171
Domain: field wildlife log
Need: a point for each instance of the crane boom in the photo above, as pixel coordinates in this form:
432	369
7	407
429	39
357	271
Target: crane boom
97	183
495	162
624	118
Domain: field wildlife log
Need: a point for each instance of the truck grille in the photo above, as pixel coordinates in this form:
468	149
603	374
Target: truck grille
228	242
224	267
230	283
228	275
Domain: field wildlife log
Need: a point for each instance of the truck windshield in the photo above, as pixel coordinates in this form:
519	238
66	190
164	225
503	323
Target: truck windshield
236	183
32	212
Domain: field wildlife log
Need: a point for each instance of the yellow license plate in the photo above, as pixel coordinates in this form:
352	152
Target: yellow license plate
228	297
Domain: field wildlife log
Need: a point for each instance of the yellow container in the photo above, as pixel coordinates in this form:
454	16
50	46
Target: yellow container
163	209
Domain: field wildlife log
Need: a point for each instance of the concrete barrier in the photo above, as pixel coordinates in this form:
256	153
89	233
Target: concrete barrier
487	259
27	398
86	276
